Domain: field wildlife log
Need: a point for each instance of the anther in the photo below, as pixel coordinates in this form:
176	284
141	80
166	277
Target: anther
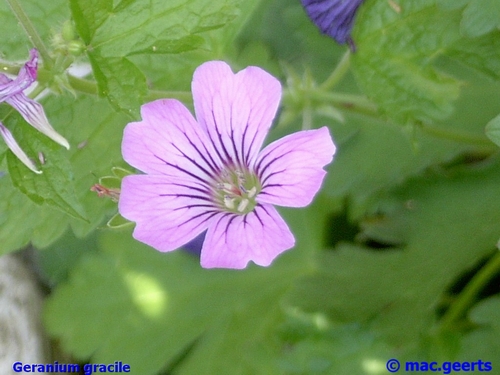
229	202
243	204
251	192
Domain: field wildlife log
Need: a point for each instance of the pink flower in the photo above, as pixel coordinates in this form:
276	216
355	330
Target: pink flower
209	173
11	91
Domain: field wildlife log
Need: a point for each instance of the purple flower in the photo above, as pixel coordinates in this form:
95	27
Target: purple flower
11	91
333	17
209	173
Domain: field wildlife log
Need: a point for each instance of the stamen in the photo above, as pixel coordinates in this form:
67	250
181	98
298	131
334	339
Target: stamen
243	204
229	202
251	192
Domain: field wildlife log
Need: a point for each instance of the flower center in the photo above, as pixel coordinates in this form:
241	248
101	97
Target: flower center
236	190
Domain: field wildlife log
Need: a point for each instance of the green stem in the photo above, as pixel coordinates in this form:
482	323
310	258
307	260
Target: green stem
350	102
90	87
31	32
456	136
36	91
468	295
82	85
338	73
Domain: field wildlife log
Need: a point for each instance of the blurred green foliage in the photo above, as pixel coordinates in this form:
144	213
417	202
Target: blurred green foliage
396	257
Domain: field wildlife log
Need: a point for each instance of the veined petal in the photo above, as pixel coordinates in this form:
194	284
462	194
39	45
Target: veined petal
14	147
234	240
236	110
27	75
168	141
333	17
168	214
291	168
34	115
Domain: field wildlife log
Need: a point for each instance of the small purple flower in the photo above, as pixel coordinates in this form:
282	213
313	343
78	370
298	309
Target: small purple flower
209	173
333	17
11	91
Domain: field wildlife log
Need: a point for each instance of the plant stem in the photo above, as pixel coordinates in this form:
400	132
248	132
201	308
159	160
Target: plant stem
456	136
31	32
338	73
350	102
82	85
468	295
90	87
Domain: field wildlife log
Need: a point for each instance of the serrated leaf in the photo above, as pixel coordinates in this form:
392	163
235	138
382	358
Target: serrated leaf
22	221
396	58
95	150
393	60
56	185
481	54
493	130
89	16
121	82
141	27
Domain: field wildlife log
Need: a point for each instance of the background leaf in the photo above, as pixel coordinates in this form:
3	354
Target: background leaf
138	27
396	62
432	229
55	186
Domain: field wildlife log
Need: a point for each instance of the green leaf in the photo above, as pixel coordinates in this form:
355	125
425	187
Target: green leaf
394	58
493	130
129	301
15	42
481	54
95	150
56	185
22	221
144	299
482	342
89	16
479	16
141	27
315	346
424	224
121	82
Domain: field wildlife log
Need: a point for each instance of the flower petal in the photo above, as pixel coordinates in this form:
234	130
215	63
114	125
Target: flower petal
236	110
291	168
27	75
168	141
34	115
234	240
168	214
333	17
14	147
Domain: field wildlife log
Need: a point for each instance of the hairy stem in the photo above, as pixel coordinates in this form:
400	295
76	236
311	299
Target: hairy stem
468	295
31	32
